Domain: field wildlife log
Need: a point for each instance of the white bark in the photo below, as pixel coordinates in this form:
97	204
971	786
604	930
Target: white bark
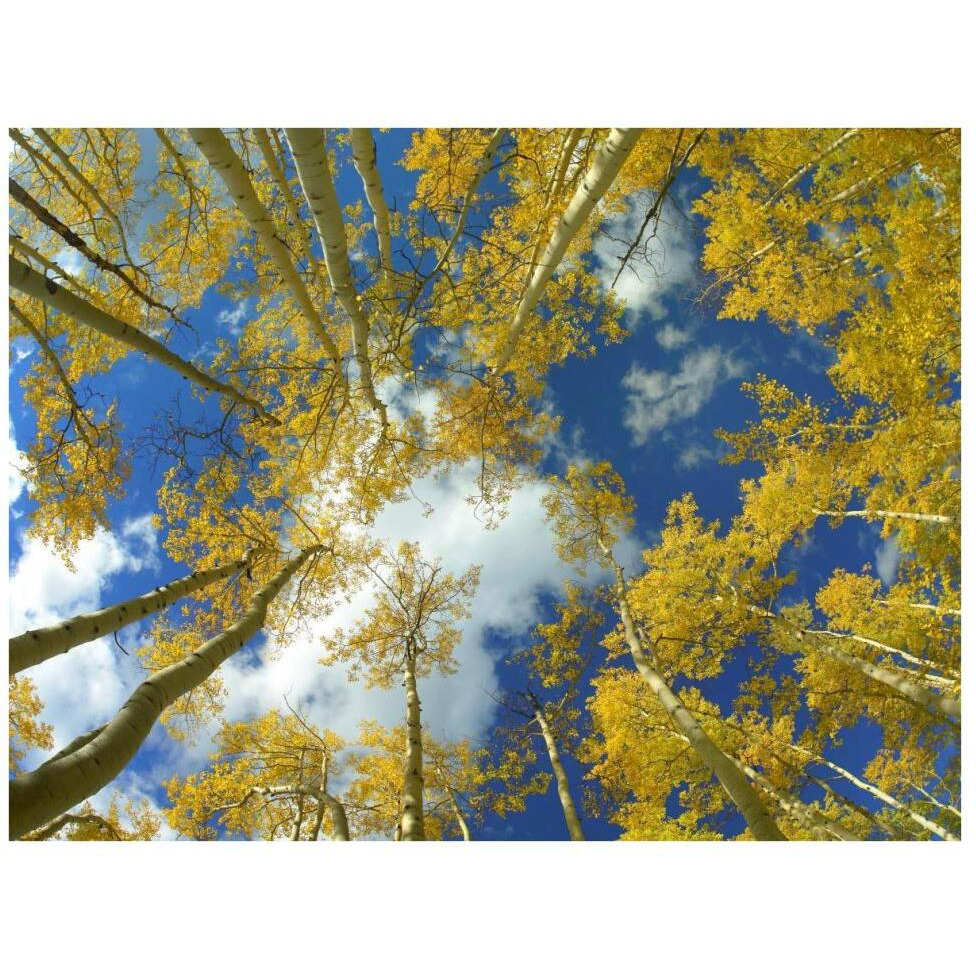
803	170
562	781
942	611
901	683
225	162
904	655
94	759
35	646
483	166
89	188
870	513
35	285
609	159
761	825
314	174
75	241
364	159
411	825
880	794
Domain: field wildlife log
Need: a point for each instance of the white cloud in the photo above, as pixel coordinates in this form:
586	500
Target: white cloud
234	316
15	458
656	399
663	264
695	455
886	558
518	565
84	687
671	337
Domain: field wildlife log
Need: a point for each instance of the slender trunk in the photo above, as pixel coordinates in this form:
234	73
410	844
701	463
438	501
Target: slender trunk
802	812
340	824
483	165
869	513
905	686
291	204
942	806
878	793
611	156
562	781
21	245
89	187
314	174
942	611
28	281
364	159
82	770
78	416
222	158
35	646
803	170
735	783
412	798
78	243
66	819
904	655
296	827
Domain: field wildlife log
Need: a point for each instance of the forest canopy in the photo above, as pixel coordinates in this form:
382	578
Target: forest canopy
485	484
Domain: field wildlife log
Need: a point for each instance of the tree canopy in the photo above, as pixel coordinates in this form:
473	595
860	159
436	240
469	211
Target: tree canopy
294	384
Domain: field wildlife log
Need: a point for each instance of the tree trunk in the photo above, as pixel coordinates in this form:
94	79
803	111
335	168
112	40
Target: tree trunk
904	655
879	794
221	156
364	159
412	798
605	168
96	758
942	611
78	243
902	684
869	513
308	150
35	646
562	781
735	783
89	188
28	281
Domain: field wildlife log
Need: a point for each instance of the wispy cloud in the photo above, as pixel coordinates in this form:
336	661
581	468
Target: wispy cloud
665	262
671	337
233	317
657	399
886	559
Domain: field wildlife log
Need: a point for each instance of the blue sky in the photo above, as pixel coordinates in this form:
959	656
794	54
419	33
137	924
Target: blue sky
649	404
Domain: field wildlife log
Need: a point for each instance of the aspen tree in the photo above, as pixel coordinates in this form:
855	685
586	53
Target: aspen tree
28	281
589	509
34	646
410	630
94	759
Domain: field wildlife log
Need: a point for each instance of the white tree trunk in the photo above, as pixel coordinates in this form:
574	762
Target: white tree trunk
312	163
880	794
35	646
869	513
225	162
28	281
88	187
412	798
364	159
562	781
761	825
96	758
605	167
